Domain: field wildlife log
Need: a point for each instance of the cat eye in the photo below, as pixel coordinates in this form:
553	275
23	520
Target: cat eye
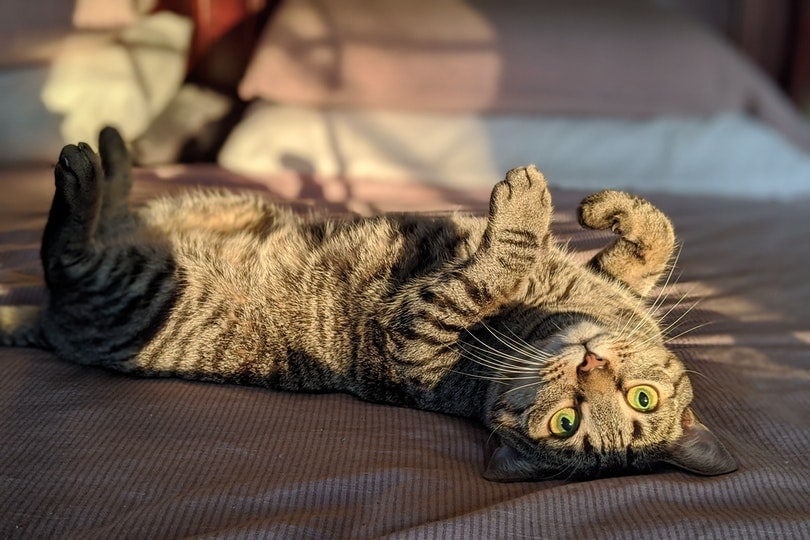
643	398
564	422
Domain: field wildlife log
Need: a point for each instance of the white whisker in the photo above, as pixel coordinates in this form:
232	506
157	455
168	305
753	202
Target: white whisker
696	373
522	386
668	340
517	343
680	318
500	358
678	303
660	298
500	380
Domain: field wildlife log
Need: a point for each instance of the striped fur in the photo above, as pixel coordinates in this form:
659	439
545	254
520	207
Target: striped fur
483	317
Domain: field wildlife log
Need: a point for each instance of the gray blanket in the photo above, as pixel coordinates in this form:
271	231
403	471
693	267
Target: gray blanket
86	453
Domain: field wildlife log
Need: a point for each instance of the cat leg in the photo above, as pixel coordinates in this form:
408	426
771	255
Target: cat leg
220	212
106	296
646	240
117	167
424	322
215	211
74	213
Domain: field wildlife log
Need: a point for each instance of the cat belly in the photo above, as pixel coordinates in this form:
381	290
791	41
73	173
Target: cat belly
252	313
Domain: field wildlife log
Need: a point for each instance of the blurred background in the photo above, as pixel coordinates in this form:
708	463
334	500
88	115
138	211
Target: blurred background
680	96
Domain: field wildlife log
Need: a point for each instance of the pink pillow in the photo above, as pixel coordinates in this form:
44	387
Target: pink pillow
521	56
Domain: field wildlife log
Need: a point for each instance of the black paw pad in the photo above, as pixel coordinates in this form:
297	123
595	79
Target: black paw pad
76	174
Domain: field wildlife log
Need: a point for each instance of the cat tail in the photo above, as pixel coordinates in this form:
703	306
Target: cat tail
19	327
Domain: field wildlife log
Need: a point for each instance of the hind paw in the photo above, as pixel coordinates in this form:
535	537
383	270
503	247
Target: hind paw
77	180
117	166
74	211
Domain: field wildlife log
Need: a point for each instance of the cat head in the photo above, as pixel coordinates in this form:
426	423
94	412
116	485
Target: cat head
591	401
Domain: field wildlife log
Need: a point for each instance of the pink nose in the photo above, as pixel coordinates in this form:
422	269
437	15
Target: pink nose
590	362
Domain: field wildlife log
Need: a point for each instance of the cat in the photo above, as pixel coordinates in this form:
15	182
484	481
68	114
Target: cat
483	317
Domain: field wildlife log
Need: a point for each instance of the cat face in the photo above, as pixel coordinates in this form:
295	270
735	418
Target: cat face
590	401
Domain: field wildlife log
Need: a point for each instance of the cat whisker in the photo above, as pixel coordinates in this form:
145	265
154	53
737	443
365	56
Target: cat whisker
630	335
701	325
501	339
517	343
531	348
671	325
505	361
629	321
658	302
655	309
569	470
696	373
498	365
638	304
675	305
680	318
661	296
552	368
495	431
499	380
490	350
522	386
498	375
524	360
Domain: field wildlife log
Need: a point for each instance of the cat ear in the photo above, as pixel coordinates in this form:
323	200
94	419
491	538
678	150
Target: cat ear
698	450
507	465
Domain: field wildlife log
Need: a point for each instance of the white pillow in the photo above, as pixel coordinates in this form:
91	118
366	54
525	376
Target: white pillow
124	82
728	154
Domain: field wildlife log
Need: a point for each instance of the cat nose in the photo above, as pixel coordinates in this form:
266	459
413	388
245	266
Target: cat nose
591	362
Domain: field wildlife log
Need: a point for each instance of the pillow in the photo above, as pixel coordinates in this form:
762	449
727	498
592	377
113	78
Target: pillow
727	154
521	56
126	80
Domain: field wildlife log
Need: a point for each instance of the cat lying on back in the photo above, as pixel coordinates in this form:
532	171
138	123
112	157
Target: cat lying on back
480	317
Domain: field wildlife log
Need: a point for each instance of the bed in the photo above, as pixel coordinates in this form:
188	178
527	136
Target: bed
86	453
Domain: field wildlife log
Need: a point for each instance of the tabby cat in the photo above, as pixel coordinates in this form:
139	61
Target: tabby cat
480	317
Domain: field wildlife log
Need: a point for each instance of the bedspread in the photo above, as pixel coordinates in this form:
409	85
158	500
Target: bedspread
86	453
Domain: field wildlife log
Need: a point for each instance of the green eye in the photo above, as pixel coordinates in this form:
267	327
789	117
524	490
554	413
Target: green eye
642	398
564	422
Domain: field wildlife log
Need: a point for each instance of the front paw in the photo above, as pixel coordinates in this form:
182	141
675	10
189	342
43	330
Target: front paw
520	208
518	225
608	209
646	237
630	216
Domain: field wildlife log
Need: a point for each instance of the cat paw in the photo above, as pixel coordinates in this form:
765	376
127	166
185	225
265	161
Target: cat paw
605	210
117	166
521	205
627	215
646	237
77	178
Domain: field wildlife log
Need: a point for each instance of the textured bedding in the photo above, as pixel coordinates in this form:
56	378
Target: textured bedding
85	453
